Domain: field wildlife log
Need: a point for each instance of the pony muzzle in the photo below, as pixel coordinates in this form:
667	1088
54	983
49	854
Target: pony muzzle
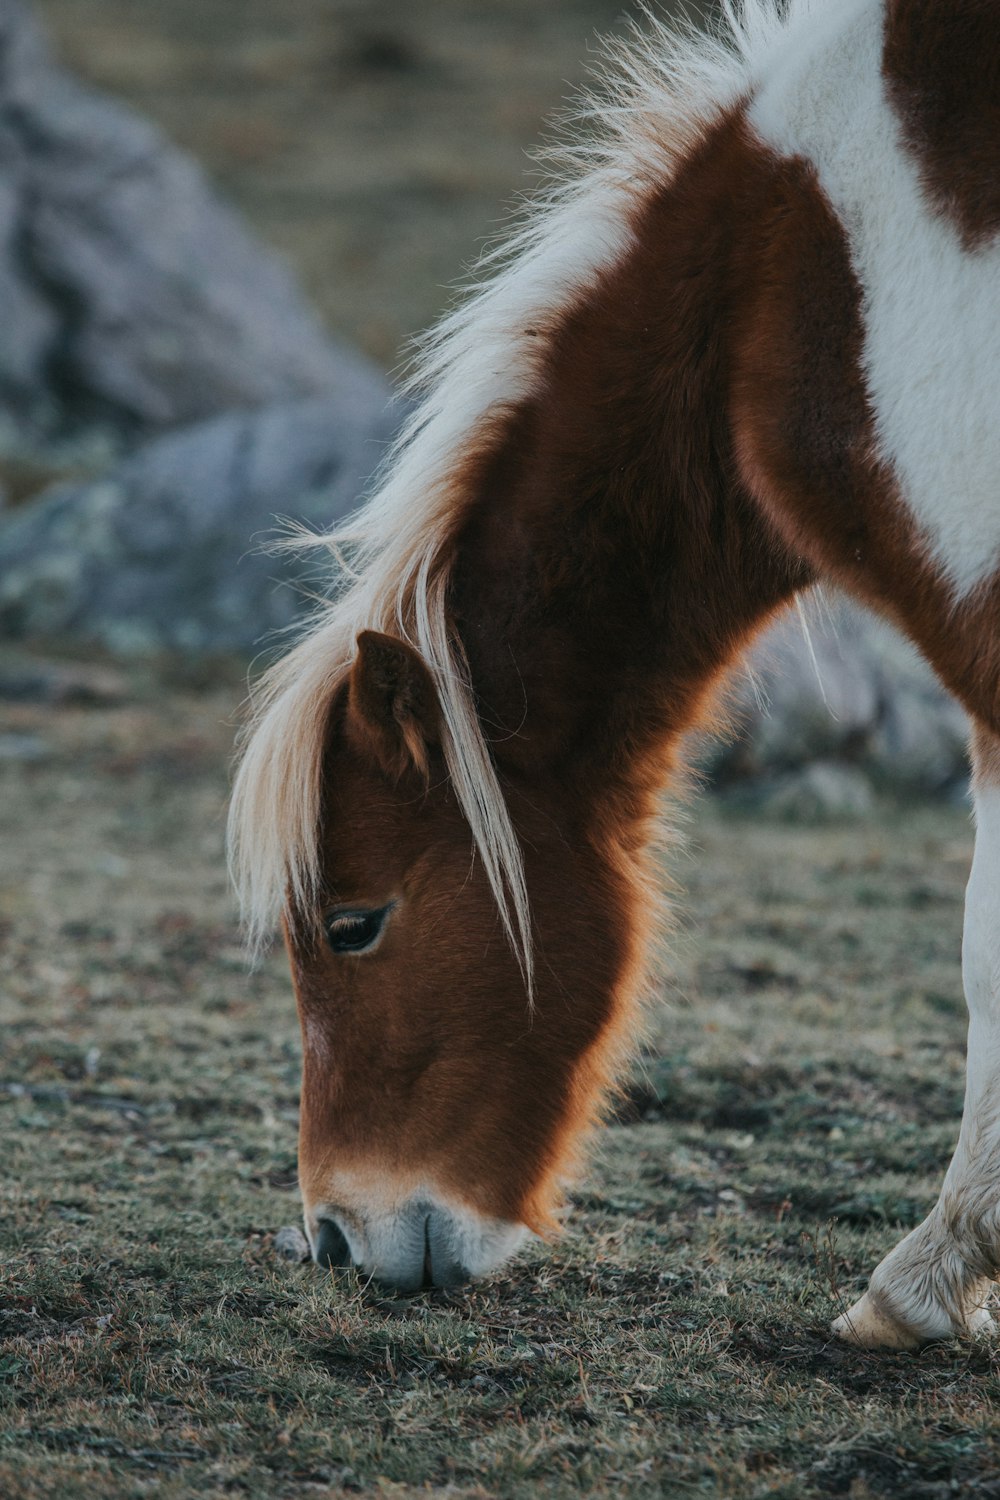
422	1243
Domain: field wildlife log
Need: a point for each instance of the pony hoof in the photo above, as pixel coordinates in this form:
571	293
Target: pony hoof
867	1326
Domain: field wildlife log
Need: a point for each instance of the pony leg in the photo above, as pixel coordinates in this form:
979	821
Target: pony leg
938	1280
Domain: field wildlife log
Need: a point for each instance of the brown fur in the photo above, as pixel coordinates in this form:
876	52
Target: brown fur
393	713
941	63
610	568
985	757
699	448
430	1059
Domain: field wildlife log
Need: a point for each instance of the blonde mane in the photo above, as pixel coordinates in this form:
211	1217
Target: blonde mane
656	94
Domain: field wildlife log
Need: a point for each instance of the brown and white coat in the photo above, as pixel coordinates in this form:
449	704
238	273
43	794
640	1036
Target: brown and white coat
751	340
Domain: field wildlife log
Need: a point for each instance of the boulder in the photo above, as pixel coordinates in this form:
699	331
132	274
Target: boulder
835	685
167	551
134	300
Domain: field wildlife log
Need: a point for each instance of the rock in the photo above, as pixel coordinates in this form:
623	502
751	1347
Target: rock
32	462
291	1244
142	319
166	551
133	299
822	792
817	687
845	689
922	735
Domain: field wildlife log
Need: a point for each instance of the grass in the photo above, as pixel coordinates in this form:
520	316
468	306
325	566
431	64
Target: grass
793	1114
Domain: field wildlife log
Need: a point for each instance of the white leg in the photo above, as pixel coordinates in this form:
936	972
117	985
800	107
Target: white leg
938	1280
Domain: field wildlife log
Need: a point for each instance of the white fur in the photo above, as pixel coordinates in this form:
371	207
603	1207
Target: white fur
939	1280
931	308
981	948
372	1213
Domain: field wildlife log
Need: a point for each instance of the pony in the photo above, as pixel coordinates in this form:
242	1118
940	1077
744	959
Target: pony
748	341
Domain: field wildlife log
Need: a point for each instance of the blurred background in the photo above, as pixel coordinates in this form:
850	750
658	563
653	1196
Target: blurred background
357	158
372	142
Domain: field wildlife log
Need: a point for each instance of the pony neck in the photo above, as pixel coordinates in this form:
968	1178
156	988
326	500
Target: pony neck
610	565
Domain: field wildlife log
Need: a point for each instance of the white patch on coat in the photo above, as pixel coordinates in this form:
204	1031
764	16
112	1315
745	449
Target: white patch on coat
981	949
931	308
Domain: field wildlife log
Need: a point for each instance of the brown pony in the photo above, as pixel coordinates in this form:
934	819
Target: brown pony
751	340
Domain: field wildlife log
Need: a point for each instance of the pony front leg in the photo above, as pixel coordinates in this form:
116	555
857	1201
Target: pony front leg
938	1280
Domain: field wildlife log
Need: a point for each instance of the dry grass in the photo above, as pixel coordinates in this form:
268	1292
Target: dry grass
796	1111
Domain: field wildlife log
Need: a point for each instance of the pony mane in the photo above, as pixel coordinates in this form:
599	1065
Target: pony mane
655	94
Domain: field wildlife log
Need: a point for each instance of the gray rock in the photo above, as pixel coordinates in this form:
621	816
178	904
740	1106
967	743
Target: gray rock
843	687
132	297
166	551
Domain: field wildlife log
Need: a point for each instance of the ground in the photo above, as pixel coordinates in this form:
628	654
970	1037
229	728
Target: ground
803	1078
794	1113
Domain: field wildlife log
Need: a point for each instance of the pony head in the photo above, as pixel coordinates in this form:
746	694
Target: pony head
444	1097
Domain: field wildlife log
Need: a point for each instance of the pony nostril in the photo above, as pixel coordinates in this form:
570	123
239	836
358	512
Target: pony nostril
331	1247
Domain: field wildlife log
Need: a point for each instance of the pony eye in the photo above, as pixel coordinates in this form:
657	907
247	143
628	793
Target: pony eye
355	931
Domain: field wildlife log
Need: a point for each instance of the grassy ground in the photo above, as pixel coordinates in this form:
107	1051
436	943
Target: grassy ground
795	1113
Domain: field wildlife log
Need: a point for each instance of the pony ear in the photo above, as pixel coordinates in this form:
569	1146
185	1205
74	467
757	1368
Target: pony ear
393	711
